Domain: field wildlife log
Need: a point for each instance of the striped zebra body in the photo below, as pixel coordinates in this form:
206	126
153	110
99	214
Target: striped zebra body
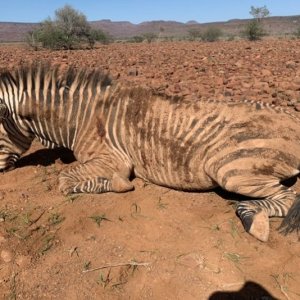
246	148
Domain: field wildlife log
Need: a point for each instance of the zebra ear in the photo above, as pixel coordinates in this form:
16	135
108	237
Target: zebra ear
3	109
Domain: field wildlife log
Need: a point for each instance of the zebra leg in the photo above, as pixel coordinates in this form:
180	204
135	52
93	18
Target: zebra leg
254	214
91	178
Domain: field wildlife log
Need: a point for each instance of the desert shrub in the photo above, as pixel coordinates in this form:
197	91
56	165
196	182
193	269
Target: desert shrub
230	37
150	36
169	39
69	30
137	39
50	36
97	35
32	40
253	31
211	34
194	34
297	33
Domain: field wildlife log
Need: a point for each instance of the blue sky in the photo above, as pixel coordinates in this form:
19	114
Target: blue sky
137	11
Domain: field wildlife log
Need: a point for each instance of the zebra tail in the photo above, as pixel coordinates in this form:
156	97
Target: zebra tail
292	220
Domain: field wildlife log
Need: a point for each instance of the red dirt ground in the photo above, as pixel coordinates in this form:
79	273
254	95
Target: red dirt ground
186	245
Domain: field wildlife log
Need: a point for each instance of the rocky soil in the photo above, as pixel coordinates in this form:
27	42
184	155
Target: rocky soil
152	243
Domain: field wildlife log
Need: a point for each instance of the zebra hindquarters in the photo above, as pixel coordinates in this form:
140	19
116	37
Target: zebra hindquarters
93	177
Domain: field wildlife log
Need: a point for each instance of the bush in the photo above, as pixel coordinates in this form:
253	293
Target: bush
211	34
150	36
137	39
254	31
194	34
97	35
69	30
297	33
32	40
51	36
230	37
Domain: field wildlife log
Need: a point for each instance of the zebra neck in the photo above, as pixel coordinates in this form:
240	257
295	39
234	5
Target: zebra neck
48	118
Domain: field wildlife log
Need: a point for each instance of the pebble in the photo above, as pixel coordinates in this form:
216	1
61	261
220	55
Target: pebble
133	72
290	64
266	72
246	85
297	107
239	63
6	256
2	239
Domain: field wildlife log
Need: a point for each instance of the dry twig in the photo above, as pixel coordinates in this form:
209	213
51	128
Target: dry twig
282	289
131	263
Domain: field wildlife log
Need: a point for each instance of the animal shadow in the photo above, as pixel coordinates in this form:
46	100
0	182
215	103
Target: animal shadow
237	197
46	157
250	291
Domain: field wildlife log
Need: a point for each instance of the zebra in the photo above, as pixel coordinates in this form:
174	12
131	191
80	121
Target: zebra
116	131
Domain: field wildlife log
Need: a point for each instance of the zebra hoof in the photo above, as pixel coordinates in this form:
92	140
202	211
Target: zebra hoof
260	227
120	184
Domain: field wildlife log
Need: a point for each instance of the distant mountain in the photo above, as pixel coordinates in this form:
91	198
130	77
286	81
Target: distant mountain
15	32
192	22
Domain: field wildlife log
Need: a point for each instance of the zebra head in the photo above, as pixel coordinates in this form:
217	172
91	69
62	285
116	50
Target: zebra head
11	145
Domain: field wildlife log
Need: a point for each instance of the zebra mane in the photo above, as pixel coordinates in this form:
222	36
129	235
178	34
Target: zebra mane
37	72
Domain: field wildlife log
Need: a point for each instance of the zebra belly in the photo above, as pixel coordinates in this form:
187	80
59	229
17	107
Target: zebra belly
173	175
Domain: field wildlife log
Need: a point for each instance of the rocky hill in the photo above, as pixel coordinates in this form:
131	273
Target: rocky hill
16	32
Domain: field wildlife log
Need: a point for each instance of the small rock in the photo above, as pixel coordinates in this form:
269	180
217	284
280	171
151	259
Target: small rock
228	93
274	94
263	86
296	79
6	256
2	239
220	97
177	88
290	64
133	72
246	85
239	64
266	72
295	86
297	107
